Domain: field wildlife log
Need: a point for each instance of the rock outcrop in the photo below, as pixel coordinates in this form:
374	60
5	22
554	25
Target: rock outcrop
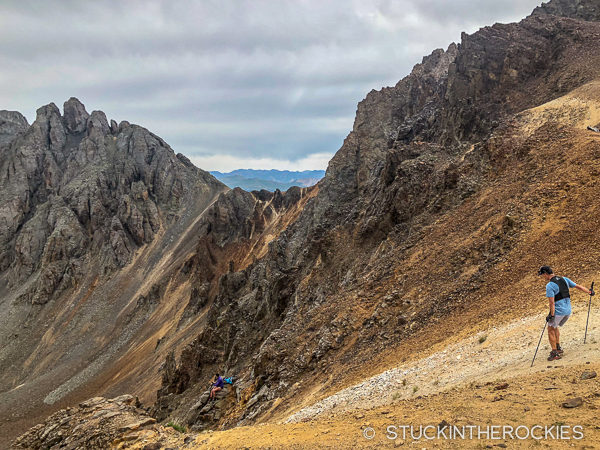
74	188
12	123
576	9
95	423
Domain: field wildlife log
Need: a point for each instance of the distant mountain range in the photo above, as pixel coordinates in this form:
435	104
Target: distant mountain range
254	180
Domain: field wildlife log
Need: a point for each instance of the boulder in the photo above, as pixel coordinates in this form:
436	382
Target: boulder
588	375
572	402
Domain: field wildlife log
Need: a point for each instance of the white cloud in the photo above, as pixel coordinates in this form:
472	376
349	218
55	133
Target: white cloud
227	163
260	80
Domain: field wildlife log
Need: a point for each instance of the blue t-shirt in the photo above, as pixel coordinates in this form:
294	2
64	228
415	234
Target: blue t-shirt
561	307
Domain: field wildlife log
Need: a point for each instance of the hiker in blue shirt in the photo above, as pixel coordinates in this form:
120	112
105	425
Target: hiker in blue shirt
217	386
559	300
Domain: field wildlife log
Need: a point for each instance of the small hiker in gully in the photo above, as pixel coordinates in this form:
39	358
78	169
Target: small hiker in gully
559	300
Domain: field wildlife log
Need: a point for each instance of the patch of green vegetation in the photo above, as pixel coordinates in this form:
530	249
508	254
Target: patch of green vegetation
404	382
177	427
415	389
396	396
482	339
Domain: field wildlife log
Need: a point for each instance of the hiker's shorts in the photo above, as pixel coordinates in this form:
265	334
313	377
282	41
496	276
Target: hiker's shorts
558	321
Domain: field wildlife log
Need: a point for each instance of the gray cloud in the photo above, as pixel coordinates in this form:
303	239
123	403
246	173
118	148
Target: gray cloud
269	80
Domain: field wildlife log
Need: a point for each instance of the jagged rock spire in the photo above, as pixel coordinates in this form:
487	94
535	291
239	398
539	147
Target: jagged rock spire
44	113
75	115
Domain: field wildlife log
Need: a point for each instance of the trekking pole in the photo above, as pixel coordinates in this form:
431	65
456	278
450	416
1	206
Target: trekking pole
538	346
588	316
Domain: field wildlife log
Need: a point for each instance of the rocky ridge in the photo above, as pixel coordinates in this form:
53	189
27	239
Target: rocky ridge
417	152
76	185
111	242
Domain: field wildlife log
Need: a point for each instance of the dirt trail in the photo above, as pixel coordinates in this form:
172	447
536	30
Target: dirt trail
529	401
507	351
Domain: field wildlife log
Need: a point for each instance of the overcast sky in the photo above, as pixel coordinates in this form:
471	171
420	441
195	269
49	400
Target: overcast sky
230	84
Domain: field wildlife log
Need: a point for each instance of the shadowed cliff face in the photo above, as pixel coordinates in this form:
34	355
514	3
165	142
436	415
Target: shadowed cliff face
417	152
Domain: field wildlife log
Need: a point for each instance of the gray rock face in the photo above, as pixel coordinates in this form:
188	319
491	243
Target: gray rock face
73	187
75	115
12	123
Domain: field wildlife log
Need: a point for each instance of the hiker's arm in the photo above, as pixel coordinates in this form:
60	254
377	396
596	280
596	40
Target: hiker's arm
583	289
551	305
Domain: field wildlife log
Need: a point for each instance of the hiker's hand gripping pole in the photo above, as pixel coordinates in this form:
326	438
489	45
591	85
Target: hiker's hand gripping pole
588	315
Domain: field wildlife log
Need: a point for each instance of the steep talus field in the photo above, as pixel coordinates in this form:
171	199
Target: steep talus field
126	276
87	210
111	245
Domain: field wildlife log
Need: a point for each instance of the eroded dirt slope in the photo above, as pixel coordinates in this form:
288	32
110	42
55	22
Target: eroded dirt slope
470	382
450	186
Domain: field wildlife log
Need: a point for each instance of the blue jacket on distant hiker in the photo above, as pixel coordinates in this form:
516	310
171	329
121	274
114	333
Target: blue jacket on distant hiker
559	301
216	386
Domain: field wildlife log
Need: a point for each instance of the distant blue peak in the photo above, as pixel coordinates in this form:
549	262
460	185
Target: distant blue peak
271	179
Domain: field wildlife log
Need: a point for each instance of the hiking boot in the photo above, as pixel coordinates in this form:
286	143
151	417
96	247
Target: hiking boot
559	349
553	355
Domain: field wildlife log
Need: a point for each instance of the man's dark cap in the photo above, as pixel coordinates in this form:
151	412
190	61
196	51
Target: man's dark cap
545	269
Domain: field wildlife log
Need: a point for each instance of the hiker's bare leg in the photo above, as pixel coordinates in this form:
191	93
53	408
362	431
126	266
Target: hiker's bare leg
552	337
557	336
